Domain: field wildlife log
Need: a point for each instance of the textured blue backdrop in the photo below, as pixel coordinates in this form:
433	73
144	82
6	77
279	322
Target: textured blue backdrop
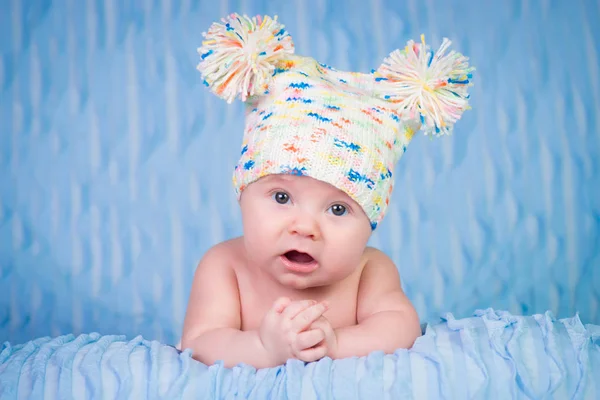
115	161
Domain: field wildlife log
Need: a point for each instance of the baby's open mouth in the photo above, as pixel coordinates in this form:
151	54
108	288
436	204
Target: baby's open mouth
298	257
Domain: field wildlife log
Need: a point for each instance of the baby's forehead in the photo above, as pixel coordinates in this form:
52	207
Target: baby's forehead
301	183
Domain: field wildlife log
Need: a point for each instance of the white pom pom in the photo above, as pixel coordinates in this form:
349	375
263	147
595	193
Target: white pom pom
238	56
429	86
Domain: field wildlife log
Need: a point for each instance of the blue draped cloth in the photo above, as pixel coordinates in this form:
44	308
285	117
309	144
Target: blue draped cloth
491	355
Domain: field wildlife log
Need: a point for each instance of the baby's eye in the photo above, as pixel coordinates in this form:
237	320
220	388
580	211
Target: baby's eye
281	197
338	209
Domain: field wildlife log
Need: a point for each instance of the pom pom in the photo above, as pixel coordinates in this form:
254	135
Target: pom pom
431	86
238	56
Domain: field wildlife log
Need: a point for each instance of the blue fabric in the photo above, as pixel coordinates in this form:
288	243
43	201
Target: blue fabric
492	355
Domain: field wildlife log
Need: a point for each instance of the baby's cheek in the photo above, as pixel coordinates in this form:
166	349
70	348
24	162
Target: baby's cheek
343	262
256	223
255	236
352	246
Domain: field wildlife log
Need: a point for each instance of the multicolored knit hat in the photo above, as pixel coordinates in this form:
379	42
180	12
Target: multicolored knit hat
348	129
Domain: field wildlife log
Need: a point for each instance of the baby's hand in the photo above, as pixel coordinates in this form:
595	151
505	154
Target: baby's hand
330	340
285	333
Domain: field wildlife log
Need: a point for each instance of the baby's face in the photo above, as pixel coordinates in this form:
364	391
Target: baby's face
301	231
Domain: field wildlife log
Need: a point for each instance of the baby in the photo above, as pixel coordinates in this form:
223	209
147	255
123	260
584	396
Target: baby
313	181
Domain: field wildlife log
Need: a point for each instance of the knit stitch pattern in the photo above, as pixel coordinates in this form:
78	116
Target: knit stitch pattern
326	124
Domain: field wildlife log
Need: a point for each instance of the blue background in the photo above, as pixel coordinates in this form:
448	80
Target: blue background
116	162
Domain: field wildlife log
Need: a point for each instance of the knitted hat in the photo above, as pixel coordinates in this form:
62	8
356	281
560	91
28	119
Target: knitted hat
304	118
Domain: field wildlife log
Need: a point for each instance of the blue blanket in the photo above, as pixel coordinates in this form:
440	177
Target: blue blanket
492	355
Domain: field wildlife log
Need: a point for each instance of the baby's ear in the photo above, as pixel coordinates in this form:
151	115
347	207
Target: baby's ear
426	86
239	56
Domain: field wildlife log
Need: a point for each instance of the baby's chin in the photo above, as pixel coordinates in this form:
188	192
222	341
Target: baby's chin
309	282
294	282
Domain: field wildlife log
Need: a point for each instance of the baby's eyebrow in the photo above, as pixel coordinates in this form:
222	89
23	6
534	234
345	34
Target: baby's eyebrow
339	200
272	183
278	179
342	198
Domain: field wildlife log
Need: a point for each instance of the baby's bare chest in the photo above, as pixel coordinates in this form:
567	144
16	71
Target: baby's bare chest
256	303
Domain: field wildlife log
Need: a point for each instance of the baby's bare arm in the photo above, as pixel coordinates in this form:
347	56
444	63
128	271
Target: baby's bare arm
386	318
212	322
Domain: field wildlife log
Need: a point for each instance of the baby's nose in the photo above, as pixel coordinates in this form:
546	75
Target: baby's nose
306	226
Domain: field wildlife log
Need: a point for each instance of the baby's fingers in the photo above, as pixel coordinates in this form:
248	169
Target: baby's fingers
295	307
313	354
280	304
305	318
307	339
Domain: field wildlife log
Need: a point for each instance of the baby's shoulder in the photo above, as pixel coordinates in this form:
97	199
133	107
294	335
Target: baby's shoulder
379	273
225	253
374	254
374	258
